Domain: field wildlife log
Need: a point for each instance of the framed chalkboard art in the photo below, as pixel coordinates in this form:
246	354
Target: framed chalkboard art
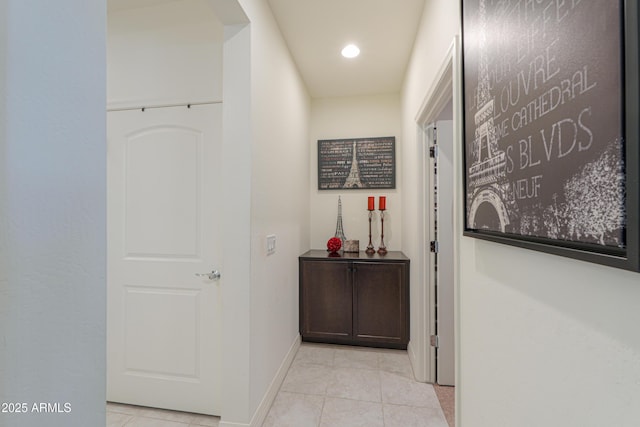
357	163
551	126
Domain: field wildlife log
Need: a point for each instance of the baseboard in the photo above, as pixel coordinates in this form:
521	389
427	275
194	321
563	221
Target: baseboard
263	409
229	424
418	368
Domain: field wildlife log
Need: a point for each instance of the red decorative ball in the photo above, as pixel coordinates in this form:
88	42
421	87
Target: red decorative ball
334	244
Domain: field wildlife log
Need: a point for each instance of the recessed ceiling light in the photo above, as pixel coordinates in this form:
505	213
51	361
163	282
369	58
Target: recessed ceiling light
350	51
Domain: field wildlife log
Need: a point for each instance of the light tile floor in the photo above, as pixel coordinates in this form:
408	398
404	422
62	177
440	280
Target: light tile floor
326	386
338	386
137	416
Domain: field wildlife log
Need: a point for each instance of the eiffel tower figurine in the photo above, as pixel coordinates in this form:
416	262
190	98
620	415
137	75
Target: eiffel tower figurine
353	180
339	231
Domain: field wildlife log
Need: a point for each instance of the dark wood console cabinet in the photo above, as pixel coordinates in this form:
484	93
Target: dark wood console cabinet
354	298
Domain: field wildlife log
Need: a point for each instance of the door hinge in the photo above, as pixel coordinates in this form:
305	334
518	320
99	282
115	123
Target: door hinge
433	151
435	135
434	246
434	341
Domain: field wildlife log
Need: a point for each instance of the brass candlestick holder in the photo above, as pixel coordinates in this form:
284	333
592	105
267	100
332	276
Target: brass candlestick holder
382	250
370	249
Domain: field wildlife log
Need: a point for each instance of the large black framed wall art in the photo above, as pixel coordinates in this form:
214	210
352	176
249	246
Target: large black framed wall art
551	126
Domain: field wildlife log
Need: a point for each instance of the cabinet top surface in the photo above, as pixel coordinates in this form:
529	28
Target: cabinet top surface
353	256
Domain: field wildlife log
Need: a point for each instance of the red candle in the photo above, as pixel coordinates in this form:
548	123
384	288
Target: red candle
382	204
371	205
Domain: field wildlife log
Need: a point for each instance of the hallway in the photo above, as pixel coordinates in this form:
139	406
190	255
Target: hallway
326	386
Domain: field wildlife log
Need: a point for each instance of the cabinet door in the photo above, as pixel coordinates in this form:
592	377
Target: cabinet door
326	299
380	305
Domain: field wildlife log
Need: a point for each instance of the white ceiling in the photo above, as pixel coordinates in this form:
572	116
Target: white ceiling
317	30
115	5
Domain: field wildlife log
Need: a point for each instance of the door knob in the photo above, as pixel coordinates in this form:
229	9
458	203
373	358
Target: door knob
214	275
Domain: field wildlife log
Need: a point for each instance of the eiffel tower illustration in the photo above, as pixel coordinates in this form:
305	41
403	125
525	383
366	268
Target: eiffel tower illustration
487	173
353	180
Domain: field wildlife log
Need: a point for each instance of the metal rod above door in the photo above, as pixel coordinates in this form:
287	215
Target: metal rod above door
149	107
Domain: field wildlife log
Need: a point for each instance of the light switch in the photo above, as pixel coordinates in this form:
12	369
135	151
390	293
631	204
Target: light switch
271	244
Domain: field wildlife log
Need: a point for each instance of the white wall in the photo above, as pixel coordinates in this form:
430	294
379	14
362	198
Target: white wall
279	197
355	117
52	210
168	53
539	331
544	340
236	204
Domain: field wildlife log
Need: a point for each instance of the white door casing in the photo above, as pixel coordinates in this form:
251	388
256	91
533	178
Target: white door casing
164	321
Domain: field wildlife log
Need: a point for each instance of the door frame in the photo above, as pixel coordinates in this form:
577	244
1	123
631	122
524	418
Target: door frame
447	87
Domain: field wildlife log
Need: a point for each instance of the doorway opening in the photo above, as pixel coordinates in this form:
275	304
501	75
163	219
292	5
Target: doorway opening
439	131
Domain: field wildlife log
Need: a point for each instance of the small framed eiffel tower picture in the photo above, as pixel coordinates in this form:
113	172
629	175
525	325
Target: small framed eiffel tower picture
357	163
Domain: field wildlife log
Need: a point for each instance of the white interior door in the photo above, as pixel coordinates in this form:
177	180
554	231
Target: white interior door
163	326
439	137
445	273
